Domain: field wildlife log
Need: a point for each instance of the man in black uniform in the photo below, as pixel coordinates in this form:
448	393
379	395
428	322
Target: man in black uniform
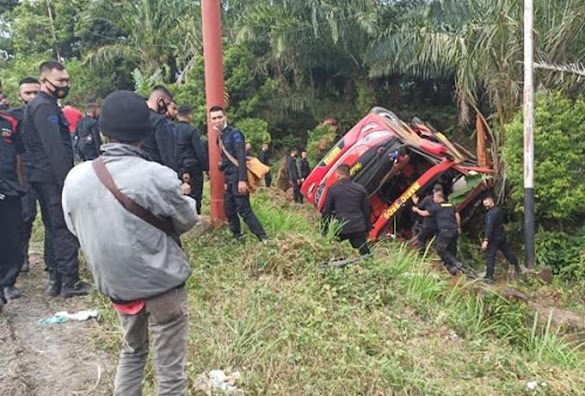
28	88
161	144
429	225
293	176
11	190
265	159
304	165
347	201
48	145
192	156
449	224
233	163
495	239
87	134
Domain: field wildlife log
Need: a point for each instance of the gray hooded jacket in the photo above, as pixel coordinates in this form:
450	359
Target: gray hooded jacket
129	258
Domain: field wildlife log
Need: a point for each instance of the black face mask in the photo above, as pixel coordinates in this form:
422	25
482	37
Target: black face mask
59	92
162	108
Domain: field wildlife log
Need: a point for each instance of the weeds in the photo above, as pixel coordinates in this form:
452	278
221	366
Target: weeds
390	325
548	345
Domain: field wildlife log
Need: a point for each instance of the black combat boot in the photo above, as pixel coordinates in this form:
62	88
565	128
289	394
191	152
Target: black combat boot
78	288
54	288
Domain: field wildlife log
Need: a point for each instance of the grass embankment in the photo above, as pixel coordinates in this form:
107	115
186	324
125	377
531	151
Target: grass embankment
391	325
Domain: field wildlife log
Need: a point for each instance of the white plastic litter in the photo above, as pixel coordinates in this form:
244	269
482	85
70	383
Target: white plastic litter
79	316
532	385
217	382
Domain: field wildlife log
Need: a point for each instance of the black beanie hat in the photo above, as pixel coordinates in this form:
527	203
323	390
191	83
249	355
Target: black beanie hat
124	116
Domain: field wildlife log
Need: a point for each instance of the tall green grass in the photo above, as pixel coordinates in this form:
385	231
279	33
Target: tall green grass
390	325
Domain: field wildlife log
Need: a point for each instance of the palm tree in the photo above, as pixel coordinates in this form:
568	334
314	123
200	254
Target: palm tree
155	35
312	44
479	43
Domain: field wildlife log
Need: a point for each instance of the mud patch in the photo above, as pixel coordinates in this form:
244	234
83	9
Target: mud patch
54	360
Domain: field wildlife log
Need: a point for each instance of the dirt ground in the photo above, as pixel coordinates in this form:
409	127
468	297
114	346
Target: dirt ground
55	360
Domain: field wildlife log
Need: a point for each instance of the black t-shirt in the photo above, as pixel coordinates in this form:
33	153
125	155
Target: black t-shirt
10	146
424	204
444	213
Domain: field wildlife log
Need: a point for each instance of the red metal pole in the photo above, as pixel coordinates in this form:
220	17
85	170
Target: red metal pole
214	92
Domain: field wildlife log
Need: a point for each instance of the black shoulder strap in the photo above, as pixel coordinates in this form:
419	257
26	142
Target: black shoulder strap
106	178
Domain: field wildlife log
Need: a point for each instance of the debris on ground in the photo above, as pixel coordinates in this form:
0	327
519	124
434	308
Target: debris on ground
531	386
64	317
217	382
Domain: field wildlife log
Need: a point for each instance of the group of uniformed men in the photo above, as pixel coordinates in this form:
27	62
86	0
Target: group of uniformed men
297	172
38	148
347	202
441	220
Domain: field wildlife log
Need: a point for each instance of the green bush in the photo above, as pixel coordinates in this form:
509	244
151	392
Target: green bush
255	131
321	139
559	148
244	91
563	252
286	142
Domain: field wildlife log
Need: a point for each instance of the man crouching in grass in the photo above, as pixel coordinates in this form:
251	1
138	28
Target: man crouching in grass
131	253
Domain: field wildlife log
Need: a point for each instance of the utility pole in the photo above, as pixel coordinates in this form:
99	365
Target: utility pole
529	132
214	92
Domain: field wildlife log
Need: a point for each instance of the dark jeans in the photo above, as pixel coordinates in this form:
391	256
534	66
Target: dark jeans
29	213
447	247
10	236
268	179
358	240
297	195
63	263
196	183
492	249
423	238
237	204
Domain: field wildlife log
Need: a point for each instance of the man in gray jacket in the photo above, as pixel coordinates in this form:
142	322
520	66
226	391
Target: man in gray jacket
138	266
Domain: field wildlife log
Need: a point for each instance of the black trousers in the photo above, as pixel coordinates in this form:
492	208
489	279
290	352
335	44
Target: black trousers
492	249
29	213
423	237
447	247
358	240
63	262
196	183
10	237
268	179
298	197
237	204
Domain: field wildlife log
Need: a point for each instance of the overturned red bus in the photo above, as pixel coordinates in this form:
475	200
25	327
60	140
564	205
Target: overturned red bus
393	161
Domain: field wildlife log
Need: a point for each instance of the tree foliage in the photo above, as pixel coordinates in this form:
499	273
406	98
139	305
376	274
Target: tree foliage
559	142
296	63
256	132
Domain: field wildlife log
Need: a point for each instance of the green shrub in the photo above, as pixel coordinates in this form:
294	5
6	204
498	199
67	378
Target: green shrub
563	252
321	139
256	132
286	142
559	148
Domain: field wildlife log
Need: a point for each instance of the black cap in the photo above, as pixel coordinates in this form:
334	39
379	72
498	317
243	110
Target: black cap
125	116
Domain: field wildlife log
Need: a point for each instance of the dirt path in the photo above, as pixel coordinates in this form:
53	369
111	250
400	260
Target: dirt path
54	360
